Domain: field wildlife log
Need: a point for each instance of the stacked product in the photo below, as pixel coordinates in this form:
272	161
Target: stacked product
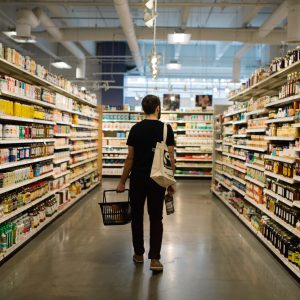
193	131
271	146
35	121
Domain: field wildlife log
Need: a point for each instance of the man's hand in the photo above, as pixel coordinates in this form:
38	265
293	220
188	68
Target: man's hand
121	187
171	190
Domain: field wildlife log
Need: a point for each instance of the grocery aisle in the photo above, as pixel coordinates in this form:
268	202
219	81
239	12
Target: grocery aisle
207	254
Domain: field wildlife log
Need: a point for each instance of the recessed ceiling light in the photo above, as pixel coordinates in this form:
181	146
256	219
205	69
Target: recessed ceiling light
179	38
19	39
61	65
174	65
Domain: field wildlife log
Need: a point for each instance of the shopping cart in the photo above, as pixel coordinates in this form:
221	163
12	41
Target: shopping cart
115	213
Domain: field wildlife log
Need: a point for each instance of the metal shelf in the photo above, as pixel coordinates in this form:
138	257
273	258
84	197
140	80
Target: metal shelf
85	150
26	141
25	162
255	181
234	156
250	148
279	138
235	112
60	160
25	120
285	261
55	176
82	175
289	160
33	232
82	162
280	177
280	120
257	112
19	210
25	99
255	166
25	75
62	134
84	138
23	183
283	101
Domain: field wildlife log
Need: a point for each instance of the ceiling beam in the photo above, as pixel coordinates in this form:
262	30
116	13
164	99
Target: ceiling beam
277	16
244	35
100	3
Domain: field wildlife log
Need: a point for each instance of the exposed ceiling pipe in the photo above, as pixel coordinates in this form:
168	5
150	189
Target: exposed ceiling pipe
123	12
244	35
56	33
277	16
140	4
265	30
25	21
293	34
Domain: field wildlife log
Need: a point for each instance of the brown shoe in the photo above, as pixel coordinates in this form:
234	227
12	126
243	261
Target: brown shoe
138	258
156	265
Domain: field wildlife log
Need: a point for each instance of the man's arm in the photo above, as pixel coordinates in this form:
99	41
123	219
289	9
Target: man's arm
127	169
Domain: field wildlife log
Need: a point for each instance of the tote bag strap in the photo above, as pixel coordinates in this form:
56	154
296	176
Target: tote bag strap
165	133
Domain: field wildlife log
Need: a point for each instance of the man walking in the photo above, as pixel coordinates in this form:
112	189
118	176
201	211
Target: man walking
141	142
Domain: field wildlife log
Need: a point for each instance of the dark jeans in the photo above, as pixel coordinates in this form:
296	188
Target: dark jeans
140	189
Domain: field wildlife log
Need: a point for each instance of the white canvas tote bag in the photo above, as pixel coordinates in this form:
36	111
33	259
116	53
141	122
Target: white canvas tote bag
161	171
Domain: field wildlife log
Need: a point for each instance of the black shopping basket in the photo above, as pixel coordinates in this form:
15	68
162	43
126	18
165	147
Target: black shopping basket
115	213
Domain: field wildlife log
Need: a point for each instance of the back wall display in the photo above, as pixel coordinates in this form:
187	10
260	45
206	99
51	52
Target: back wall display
171	102
203	100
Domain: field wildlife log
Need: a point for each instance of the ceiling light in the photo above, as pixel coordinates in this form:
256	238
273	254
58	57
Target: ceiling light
227	90
174	65
215	90
192	98
149	20
179	38
19	39
149	4
83	88
172	98
61	65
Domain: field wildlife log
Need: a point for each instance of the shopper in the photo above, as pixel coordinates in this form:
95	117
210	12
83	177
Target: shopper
141	142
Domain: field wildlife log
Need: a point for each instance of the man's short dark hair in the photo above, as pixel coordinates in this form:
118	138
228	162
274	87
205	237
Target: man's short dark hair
150	103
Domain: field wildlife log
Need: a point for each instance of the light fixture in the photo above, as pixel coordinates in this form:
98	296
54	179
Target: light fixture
180	38
173	65
149	4
215	89
59	64
172	98
19	39
227	90
149	20
83	88
150	15
192	98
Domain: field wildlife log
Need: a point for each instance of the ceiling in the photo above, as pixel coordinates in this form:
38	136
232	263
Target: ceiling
230	38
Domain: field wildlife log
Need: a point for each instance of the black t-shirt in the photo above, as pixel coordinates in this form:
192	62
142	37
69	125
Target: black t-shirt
143	137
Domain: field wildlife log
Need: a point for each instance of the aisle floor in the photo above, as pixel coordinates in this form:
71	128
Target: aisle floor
207	254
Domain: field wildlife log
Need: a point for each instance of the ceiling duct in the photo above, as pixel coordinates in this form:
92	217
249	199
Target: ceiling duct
25	20
293	25
123	12
56	34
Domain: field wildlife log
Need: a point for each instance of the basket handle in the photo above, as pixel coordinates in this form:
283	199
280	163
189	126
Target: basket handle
110	191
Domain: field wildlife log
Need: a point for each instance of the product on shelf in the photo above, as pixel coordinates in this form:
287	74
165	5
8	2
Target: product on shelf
11	201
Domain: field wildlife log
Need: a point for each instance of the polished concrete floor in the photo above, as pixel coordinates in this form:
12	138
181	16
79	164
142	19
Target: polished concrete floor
207	254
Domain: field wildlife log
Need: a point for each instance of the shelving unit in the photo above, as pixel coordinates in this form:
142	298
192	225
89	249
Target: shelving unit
271	154
53	120
193	133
